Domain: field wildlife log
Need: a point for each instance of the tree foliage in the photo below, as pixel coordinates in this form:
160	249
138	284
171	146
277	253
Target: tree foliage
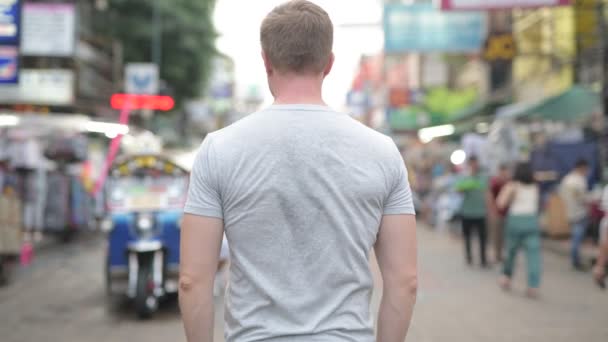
188	39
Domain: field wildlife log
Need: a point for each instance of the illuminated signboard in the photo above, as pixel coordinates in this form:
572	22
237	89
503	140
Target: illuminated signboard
132	101
9	21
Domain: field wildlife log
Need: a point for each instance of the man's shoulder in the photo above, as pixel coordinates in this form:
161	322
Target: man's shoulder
256	121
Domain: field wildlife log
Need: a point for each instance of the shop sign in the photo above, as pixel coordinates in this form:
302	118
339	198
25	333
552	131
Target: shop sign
9	66
49	29
142	78
398	97
358	102
9	21
500	47
476	5
53	87
423	28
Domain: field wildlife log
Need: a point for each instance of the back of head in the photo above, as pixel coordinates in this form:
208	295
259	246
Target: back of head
581	164
297	37
524	174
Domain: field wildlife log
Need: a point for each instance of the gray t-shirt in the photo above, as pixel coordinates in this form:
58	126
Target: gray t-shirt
302	190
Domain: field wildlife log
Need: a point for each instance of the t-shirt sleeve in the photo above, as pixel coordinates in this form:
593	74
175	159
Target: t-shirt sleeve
400	200
204	196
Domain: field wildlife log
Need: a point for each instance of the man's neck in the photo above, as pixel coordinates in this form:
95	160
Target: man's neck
298	90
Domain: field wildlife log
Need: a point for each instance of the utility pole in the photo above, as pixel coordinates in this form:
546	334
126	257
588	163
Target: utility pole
157	40
156	54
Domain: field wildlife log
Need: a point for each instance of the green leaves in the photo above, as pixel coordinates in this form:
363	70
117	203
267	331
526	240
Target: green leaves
188	39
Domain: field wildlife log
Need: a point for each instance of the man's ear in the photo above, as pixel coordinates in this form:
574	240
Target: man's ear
267	64
329	65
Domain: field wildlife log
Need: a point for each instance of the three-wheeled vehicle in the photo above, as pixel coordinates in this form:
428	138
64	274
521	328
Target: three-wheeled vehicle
144	197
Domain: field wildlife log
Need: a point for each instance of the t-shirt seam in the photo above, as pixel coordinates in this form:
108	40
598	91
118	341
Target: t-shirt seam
211	154
399	210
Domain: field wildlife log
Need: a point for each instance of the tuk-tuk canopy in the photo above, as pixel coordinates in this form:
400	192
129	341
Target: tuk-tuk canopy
133	164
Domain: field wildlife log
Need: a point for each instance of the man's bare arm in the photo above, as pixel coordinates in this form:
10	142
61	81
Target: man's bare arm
201	239
396	252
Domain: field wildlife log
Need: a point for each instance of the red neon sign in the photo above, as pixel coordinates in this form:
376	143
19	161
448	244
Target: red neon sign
132	101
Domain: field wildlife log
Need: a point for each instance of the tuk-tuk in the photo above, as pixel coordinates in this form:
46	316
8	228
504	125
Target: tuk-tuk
144	197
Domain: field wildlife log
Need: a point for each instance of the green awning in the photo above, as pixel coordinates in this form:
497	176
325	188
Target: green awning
574	104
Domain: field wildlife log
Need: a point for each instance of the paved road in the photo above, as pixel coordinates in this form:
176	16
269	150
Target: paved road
61	298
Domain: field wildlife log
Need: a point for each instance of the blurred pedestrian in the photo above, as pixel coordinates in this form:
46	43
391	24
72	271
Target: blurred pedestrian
303	193
497	215
574	192
473	212
446	200
521	198
599	270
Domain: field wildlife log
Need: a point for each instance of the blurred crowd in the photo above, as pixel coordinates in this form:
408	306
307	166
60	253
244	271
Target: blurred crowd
508	211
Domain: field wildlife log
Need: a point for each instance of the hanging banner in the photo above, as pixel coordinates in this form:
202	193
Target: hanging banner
475	5
423	28
9	66
9	21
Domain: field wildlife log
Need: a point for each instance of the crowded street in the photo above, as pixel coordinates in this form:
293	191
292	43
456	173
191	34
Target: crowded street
62	298
231	170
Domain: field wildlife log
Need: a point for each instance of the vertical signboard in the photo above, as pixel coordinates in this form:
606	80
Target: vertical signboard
423	28
48	29
9	65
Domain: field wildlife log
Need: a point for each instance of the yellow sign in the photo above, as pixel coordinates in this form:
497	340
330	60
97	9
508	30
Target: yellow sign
500	47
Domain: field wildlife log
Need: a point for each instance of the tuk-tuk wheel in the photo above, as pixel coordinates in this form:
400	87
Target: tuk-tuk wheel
145	300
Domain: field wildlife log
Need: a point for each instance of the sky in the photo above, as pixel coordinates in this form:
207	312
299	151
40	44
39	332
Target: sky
238	23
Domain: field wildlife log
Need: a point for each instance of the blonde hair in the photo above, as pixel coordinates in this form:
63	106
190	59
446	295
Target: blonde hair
297	37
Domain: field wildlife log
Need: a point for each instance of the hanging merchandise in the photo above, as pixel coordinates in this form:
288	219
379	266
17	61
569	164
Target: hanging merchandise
58	202
25	153
68	149
80	209
10	224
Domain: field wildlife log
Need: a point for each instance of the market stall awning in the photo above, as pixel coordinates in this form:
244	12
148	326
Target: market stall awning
479	109
574	104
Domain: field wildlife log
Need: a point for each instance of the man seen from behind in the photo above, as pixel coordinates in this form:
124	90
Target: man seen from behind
303	193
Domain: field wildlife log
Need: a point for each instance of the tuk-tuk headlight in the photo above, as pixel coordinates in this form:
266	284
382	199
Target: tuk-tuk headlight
106	225
144	223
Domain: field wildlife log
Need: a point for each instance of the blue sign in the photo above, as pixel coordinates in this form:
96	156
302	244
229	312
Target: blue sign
221	91
9	21
9	65
423	28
